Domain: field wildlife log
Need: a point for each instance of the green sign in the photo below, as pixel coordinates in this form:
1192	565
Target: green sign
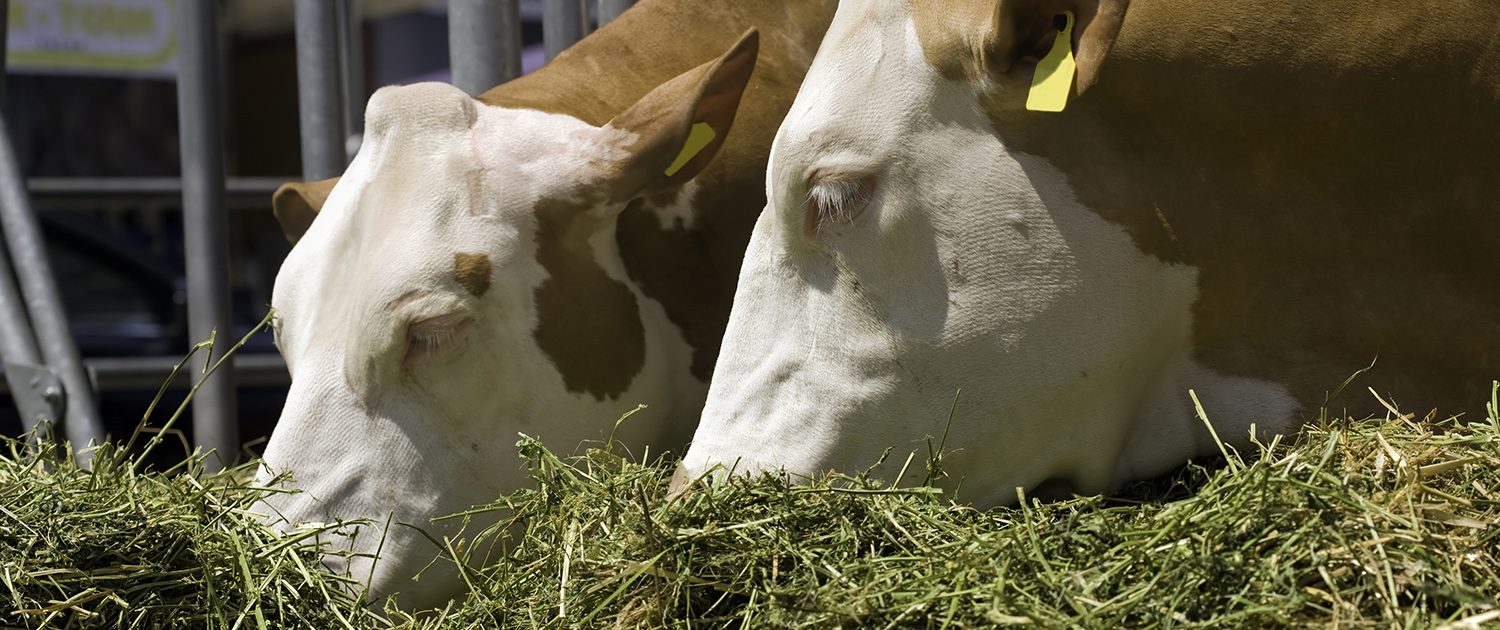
96	37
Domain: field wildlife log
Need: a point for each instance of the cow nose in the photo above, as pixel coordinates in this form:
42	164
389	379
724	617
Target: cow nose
682	483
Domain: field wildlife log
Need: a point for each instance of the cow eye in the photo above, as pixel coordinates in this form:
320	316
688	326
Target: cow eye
834	201
433	336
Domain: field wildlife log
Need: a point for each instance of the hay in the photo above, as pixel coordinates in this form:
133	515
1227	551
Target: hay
111	546
1376	523
1380	523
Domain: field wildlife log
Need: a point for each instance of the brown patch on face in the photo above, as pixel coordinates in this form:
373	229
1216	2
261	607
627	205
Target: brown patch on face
692	272
1329	168
472	272
587	322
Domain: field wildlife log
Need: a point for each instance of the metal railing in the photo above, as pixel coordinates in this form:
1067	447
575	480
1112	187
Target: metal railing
205	232
50	192
42	368
43	371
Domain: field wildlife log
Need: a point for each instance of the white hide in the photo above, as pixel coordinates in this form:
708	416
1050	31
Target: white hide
973	268
368	437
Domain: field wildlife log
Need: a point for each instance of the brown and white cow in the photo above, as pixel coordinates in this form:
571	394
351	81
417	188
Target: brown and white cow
538	260
1252	199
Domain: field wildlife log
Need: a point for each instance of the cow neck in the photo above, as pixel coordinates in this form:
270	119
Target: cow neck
1331	175
689	266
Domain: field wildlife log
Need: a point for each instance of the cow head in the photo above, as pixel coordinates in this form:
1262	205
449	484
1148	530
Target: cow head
909	256
460	284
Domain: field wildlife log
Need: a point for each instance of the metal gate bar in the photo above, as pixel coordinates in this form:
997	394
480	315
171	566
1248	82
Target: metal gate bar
351	73
69	192
611	9
205	231
19	351
318	87
28	252
484	43
17	343
564	22
4	41
40	390
18	347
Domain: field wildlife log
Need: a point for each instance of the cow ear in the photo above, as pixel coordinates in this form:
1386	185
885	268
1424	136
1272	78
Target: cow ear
296	204
681	124
1024	31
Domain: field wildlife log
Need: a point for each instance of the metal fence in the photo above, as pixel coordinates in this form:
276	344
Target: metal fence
43	371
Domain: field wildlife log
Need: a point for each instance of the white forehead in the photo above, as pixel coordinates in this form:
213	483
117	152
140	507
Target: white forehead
438	173
432	136
868	85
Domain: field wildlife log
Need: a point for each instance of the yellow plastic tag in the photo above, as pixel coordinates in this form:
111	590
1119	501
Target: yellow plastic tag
698	137
1054	73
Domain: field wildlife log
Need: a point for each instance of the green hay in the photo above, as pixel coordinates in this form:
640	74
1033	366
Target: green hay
1387	523
110	546
1380	523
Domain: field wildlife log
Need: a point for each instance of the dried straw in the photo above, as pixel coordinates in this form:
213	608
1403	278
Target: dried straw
1383	523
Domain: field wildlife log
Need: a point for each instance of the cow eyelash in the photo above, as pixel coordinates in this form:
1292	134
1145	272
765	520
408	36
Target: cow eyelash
433	340
431	336
834	201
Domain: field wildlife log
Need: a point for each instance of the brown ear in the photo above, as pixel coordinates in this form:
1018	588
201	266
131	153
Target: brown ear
664	121
1097	38
296	204
1024	31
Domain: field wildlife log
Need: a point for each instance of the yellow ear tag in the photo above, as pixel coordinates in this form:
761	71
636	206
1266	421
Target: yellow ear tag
1054	73
699	137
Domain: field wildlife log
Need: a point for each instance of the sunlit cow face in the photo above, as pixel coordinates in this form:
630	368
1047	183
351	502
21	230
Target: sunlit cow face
911	267
461	285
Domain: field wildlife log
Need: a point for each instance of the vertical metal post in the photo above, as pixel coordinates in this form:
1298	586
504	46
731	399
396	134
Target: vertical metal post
205	221
611	9
53	340
564	22
4	41
36	390
351	71
323	150
23	234
484	43
17	344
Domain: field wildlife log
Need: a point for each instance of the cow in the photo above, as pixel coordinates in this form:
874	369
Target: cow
539	260
1249	201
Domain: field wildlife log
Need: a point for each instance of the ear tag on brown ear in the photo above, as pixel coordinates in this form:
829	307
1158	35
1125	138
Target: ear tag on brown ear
1054	73
698	138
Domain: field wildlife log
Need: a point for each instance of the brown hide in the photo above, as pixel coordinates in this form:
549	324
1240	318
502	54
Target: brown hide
1332	169
589	323
691	270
